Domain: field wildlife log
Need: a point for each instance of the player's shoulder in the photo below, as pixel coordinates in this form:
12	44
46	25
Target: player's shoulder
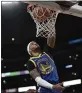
31	65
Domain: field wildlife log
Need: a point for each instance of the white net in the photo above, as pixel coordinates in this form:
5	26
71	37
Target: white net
45	26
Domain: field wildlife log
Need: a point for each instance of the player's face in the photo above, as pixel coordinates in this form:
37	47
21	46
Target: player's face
34	46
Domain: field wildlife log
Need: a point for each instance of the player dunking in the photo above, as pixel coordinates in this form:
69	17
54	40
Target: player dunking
41	65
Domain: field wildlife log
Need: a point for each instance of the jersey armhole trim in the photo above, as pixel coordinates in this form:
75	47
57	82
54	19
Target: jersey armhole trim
33	62
48	56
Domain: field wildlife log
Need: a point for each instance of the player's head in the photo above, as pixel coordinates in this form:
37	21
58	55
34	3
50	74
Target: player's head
32	48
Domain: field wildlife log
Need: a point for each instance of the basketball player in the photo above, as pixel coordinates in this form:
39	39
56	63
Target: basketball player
41	65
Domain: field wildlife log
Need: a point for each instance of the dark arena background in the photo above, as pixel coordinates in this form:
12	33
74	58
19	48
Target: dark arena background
18	29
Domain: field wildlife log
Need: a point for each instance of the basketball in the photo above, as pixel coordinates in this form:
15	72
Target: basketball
41	13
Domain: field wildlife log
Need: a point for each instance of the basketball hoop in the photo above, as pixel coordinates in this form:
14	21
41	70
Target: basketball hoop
45	23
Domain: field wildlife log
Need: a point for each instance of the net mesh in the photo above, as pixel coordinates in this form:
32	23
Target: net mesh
46	26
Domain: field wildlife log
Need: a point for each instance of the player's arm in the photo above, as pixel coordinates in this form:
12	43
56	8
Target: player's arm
66	4
36	76
52	36
51	39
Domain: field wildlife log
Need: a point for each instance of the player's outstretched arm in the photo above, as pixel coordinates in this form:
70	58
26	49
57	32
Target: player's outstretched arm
35	74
